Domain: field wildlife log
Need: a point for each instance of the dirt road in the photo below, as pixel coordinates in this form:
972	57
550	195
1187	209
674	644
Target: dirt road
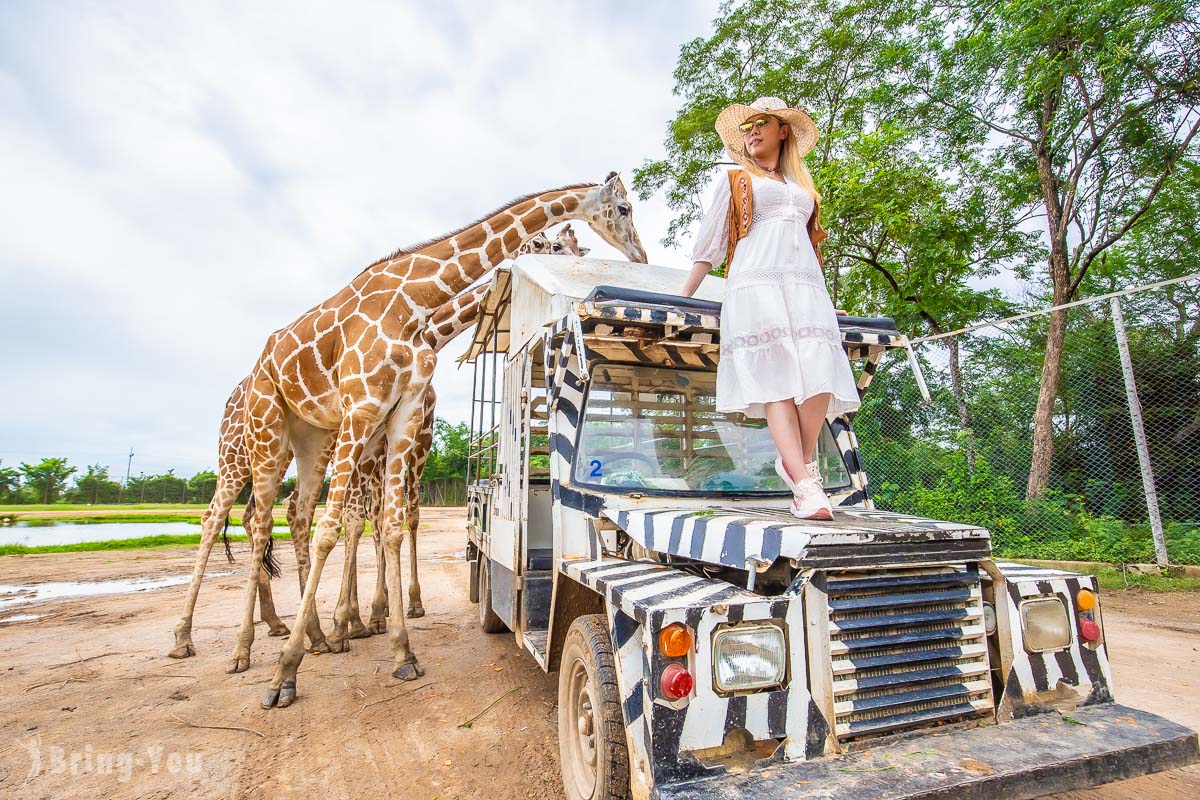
93	708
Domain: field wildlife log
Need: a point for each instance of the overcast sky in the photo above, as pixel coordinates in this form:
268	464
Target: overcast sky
181	179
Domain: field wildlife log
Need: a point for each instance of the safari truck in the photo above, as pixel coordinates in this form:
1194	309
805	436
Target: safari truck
710	644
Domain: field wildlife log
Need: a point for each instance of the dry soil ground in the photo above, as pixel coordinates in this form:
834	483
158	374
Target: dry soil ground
91	707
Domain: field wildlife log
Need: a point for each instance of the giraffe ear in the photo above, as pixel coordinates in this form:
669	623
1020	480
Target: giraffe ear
583	251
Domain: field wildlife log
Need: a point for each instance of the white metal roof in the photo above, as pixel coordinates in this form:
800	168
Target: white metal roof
536	290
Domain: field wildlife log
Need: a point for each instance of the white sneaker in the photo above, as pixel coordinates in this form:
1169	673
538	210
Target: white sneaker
814	472
809	501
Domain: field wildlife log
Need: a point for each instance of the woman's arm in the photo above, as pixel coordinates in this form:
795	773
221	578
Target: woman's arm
695	277
712	238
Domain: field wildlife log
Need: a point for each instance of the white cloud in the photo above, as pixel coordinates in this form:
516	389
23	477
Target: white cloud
182	180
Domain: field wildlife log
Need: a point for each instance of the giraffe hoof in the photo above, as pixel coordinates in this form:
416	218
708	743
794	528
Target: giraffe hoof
323	646
287	693
280	630
183	651
339	645
239	663
408	671
415	611
377	626
361	632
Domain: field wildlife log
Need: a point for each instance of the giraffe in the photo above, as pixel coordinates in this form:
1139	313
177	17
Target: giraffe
233	473
448	322
569	244
358	360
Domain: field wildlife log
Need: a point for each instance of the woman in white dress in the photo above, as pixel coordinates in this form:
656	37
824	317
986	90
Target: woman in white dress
781	351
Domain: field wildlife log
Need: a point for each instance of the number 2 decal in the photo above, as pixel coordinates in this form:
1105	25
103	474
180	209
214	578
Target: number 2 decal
595	465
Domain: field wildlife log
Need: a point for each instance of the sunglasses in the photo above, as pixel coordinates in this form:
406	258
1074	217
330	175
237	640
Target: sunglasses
755	123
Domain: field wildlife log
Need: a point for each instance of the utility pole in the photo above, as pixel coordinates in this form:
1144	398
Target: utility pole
128	464
1139	436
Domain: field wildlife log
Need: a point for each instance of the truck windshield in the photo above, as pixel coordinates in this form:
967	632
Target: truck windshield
657	429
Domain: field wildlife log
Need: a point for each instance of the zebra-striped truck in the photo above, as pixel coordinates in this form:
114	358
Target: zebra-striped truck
709	644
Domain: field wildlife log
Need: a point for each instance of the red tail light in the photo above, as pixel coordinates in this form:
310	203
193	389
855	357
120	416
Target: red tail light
1089	630
676	682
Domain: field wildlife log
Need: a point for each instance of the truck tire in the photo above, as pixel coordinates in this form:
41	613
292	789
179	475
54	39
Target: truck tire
591	729
489	621
473	581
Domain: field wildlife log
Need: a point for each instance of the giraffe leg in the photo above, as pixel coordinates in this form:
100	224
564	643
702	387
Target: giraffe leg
258	528
357	427
404	661
266	607
312	447
379	606
226	493
347	605
422	440
415	608
357	629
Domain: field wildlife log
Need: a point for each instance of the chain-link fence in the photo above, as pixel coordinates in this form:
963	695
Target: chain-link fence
966	455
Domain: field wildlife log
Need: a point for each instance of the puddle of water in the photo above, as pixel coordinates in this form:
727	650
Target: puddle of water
42	534
21	618
12	595
457	556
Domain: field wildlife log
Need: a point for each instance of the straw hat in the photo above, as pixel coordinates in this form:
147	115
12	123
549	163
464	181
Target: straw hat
804	131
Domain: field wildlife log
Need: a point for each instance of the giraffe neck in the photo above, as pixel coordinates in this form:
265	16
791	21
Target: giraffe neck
455	317
433	274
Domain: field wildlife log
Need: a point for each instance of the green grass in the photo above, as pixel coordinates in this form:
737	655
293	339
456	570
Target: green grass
34	522
101	506
141	542
1111	578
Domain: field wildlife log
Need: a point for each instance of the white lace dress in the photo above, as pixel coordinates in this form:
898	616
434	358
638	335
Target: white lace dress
779	332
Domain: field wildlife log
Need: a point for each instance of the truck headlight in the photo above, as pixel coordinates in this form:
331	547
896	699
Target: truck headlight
1045	624
749	657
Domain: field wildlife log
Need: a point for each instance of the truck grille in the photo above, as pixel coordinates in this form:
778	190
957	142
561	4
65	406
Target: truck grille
907	648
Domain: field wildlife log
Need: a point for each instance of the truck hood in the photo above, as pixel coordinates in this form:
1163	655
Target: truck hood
856	537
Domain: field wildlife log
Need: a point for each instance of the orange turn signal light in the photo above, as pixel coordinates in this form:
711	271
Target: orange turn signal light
674	640
1085	600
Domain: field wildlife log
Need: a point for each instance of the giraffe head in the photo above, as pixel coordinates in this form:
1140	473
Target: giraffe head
568	244
607	210
539	244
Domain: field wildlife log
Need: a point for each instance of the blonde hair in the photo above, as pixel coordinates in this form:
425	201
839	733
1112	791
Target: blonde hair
791	163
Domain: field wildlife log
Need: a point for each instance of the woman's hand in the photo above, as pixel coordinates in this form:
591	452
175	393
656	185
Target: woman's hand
840	313
695	277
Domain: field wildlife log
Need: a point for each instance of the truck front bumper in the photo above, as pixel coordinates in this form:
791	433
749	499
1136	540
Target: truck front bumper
1025	758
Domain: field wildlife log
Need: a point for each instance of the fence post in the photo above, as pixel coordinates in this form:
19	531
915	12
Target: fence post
1139	434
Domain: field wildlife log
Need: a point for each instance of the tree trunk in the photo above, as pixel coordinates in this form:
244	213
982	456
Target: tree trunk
1060	280
1043	417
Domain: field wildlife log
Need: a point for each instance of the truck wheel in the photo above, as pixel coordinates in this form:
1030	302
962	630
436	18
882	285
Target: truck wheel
591	730
489	621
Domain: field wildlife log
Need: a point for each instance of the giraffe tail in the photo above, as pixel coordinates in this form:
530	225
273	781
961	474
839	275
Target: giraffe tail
225	540
268	561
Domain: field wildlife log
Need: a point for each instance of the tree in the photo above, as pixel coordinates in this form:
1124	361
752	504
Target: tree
1096	100
200	487
10	483
95	487
911	219
45	481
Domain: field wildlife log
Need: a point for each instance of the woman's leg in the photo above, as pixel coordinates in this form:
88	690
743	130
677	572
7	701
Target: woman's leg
783	422
811	418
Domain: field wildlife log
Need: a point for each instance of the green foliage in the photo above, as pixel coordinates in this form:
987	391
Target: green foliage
10	483
44	482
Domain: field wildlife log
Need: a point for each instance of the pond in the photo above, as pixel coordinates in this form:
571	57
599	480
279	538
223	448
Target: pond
47	533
